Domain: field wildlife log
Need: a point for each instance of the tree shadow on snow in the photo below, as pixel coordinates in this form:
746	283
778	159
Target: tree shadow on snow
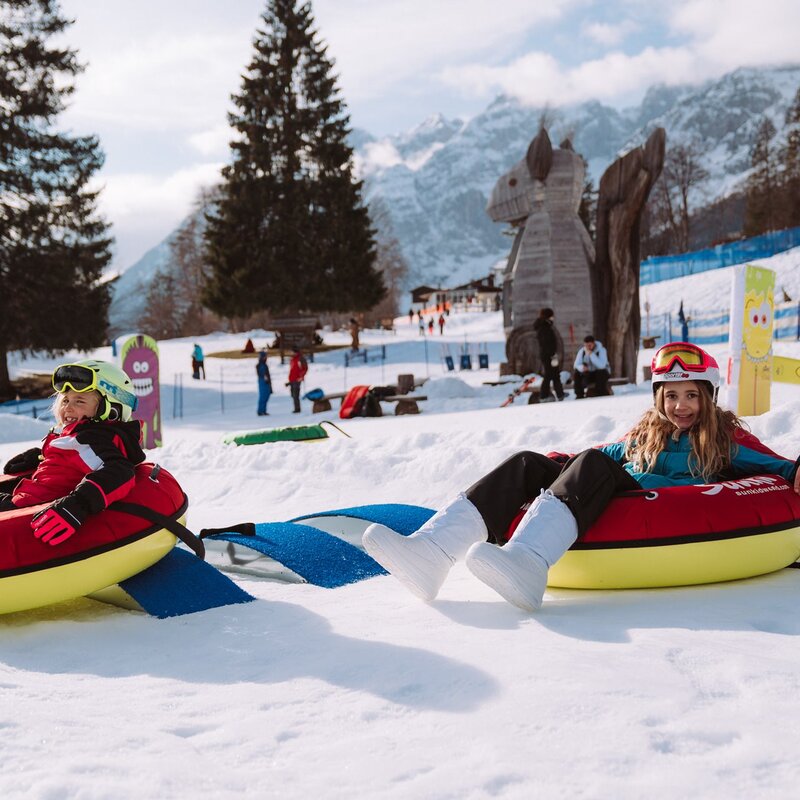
260	642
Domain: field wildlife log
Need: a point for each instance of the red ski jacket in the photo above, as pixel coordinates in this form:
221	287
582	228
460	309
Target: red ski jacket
297	368
96	457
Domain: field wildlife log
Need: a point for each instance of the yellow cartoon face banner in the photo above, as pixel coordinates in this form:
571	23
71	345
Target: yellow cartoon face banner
750	363
785	370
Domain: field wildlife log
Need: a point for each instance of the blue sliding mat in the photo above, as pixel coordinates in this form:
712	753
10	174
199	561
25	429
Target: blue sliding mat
181	583
320	557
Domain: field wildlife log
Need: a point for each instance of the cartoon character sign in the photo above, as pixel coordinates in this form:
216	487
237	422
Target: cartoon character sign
139	358
786	370
752	315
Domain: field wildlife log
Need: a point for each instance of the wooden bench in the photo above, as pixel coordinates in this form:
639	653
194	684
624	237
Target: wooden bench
324	402
406	403
612	382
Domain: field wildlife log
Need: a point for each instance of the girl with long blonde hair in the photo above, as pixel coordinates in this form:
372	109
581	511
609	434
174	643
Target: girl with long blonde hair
684	439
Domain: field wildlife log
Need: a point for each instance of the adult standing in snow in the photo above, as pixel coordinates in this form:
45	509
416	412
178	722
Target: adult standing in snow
548	353
354	329
685	438
198	362
591	367
441	324
264	383
298	366
430	326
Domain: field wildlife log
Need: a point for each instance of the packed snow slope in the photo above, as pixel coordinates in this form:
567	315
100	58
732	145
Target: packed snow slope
365	691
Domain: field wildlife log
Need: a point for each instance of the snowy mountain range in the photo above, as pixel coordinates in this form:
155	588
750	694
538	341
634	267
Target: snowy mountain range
435	179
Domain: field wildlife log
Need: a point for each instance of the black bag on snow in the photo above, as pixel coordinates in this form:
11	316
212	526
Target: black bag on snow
370	405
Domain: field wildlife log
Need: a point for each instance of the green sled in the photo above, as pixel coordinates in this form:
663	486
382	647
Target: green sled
296	433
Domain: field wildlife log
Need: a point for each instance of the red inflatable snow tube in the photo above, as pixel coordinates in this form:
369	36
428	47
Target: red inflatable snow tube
353	401
21	551
686	535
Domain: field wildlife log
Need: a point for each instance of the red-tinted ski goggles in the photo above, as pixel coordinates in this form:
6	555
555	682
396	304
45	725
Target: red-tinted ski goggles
689	356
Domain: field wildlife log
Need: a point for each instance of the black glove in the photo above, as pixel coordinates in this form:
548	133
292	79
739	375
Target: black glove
5	502
24	462
60	520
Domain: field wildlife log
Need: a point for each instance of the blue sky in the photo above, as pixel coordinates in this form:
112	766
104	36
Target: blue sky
159	76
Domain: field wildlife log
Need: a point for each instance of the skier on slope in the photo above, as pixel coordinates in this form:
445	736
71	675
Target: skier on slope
684	439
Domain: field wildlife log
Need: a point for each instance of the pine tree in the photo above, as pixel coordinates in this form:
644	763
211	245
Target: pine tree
761	185
179	308
53	245
163	317
390	261
290	232
790	162
587	210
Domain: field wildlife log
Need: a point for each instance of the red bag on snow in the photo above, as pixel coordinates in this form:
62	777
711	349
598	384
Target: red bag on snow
359	402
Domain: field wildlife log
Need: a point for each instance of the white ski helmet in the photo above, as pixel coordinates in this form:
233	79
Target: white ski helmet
682	361
108	380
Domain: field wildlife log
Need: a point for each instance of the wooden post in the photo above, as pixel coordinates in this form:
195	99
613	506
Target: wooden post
405	384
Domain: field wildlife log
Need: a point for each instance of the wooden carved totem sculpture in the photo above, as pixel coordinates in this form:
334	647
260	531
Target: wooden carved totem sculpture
550	260
623	192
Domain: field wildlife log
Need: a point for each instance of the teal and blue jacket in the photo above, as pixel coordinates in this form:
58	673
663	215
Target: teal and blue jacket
749	456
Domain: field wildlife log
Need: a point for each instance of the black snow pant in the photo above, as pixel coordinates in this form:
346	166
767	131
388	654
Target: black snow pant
294	388
582	380
553	374
586	484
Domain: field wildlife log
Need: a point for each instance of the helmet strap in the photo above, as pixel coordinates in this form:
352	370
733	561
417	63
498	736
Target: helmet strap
104	410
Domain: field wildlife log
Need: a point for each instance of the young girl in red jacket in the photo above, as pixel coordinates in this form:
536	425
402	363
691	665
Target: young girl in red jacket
88	464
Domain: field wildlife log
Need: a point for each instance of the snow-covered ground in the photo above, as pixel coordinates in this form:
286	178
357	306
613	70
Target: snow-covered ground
364	691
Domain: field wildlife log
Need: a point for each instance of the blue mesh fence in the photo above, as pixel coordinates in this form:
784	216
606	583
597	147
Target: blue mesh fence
662	268
711	326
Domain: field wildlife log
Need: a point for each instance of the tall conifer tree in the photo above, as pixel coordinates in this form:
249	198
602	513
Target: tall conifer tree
761	185
290	232
790	158
53	245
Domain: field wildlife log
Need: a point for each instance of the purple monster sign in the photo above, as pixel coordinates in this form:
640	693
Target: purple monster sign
139	358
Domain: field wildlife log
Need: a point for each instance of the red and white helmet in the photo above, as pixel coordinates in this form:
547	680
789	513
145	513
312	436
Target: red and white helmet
682	361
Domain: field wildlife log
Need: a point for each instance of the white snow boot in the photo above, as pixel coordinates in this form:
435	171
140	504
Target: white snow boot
518	570
421	561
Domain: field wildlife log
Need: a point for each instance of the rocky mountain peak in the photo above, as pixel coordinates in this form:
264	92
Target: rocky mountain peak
436	177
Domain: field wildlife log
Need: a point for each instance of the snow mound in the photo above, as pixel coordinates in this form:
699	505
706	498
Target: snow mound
445	388
17	428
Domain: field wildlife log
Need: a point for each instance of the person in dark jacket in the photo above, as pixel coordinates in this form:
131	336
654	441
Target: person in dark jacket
685	438
548	340
264	383
86	466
